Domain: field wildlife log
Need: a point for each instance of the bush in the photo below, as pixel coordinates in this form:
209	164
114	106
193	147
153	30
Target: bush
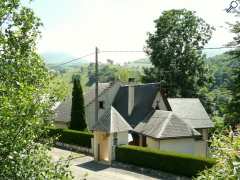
73	137
181	164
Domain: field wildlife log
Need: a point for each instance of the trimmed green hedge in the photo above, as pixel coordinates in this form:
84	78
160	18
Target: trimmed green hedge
180	164
72	137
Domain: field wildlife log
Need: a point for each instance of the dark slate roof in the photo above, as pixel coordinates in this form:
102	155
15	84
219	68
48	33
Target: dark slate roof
63	110
192	111
111	122
144	96
165	124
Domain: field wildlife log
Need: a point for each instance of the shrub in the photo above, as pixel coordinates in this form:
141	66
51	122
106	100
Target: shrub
73	137
181	164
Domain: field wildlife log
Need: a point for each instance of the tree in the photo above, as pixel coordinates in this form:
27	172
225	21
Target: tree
225	150
233	111
78	113
25	99
175	53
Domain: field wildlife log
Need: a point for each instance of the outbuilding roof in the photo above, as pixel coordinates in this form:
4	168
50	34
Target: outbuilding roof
165	124
192	111
112	122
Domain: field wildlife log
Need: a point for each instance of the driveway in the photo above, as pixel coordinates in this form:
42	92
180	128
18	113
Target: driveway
84	166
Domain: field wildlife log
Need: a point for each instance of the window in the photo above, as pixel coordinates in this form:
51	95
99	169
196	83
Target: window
101	104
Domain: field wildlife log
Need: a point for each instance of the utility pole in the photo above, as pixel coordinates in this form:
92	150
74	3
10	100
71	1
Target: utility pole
96	85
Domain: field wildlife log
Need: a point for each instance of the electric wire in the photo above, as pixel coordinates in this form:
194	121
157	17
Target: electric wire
129	51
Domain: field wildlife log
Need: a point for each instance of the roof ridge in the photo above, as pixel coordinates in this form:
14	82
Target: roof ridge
165	124
186	123
182	98
140	84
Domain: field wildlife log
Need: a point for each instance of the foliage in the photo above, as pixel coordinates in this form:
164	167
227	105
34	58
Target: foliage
221	69
78	121
26	99
233	110
175	52
78	138
227	152
110	72
160	160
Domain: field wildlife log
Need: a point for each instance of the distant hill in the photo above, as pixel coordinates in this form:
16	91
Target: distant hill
214	52
53	58
145	62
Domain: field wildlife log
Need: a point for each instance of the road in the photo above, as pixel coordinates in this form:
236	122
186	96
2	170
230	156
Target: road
84	166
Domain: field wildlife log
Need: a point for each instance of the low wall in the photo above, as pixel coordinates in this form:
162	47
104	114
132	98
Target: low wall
70	147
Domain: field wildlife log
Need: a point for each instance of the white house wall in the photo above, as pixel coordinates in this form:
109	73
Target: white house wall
122	138
181	145
184	145
205	134
152	143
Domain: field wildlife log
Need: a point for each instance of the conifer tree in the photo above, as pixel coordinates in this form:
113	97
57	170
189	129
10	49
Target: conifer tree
77	114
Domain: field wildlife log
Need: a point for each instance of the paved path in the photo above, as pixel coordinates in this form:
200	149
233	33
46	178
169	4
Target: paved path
82	165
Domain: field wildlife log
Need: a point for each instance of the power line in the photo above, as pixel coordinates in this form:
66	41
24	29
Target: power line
129	51
222	47
122	51
75	59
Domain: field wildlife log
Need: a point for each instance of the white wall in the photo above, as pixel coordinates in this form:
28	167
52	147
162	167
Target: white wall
181	145
201	148
184	145
103	139
205	134
152	143
122	138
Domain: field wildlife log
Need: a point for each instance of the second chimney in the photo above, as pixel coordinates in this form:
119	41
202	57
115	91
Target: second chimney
131	82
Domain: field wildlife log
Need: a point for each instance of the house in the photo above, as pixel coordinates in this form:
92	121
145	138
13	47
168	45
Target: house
140	114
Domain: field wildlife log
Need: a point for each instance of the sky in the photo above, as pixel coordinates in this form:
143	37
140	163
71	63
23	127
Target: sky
76	27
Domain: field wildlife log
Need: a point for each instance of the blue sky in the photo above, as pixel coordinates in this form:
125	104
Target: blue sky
75	27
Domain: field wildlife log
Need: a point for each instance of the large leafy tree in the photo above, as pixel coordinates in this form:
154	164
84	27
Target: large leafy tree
175	52
25	98
78	113
233	110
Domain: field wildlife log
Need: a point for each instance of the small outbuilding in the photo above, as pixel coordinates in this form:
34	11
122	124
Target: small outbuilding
110	131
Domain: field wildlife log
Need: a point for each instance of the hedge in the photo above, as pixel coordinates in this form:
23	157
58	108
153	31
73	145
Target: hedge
180	164
73	137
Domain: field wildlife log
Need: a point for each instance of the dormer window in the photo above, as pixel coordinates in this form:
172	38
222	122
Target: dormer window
101	104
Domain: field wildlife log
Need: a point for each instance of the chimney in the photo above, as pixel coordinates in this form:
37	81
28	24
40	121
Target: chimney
130	95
